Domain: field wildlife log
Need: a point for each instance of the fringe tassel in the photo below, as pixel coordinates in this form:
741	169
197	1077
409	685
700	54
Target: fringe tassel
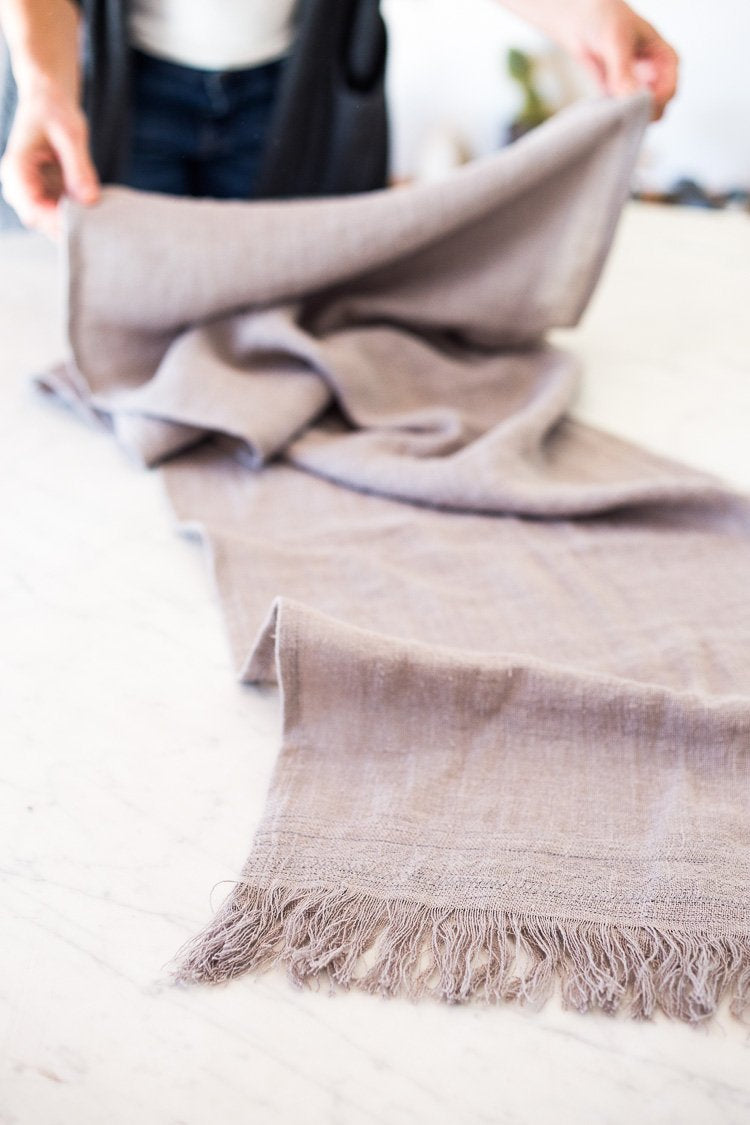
407	948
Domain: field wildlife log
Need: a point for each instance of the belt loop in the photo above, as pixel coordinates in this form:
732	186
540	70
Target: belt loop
215	89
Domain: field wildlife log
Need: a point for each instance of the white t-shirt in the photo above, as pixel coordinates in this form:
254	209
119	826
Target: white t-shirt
212	34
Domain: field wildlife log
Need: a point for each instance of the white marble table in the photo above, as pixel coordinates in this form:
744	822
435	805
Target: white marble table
134	768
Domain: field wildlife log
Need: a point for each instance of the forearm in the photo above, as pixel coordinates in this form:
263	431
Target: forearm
536	11
566	21
42	37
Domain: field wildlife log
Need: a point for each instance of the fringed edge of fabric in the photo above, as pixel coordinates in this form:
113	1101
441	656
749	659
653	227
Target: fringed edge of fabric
400	947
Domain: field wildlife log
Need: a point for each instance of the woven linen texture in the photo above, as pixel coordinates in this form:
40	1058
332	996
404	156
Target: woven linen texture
513	651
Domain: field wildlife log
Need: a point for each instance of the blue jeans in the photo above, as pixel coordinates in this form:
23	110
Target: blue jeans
198	132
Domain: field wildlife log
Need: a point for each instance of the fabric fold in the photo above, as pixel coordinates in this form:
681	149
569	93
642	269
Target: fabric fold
249	319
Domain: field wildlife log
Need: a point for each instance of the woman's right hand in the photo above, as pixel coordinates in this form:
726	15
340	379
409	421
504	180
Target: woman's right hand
47	156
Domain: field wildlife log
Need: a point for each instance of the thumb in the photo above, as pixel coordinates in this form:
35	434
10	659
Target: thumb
78	172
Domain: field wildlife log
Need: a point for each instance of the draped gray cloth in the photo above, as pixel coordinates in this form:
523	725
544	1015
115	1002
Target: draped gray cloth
513	651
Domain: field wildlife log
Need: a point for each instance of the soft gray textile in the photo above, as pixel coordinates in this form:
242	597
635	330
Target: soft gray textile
513	651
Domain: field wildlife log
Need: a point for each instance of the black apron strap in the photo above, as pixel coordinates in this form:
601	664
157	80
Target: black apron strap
329	131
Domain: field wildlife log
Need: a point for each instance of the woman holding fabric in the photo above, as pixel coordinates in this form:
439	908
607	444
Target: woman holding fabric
241	98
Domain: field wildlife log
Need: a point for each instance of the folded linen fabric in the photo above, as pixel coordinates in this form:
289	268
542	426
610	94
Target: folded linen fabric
513	651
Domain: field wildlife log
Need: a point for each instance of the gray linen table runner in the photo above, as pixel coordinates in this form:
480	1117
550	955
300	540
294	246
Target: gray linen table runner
513	651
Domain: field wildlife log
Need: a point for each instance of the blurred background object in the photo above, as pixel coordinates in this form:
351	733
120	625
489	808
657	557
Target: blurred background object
7	109
535	110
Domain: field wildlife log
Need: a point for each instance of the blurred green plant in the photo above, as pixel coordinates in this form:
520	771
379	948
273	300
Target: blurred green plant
534	109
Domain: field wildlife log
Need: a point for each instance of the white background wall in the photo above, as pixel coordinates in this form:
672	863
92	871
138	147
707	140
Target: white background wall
447	63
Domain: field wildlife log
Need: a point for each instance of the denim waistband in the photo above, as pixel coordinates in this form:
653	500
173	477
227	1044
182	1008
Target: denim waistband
142	60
